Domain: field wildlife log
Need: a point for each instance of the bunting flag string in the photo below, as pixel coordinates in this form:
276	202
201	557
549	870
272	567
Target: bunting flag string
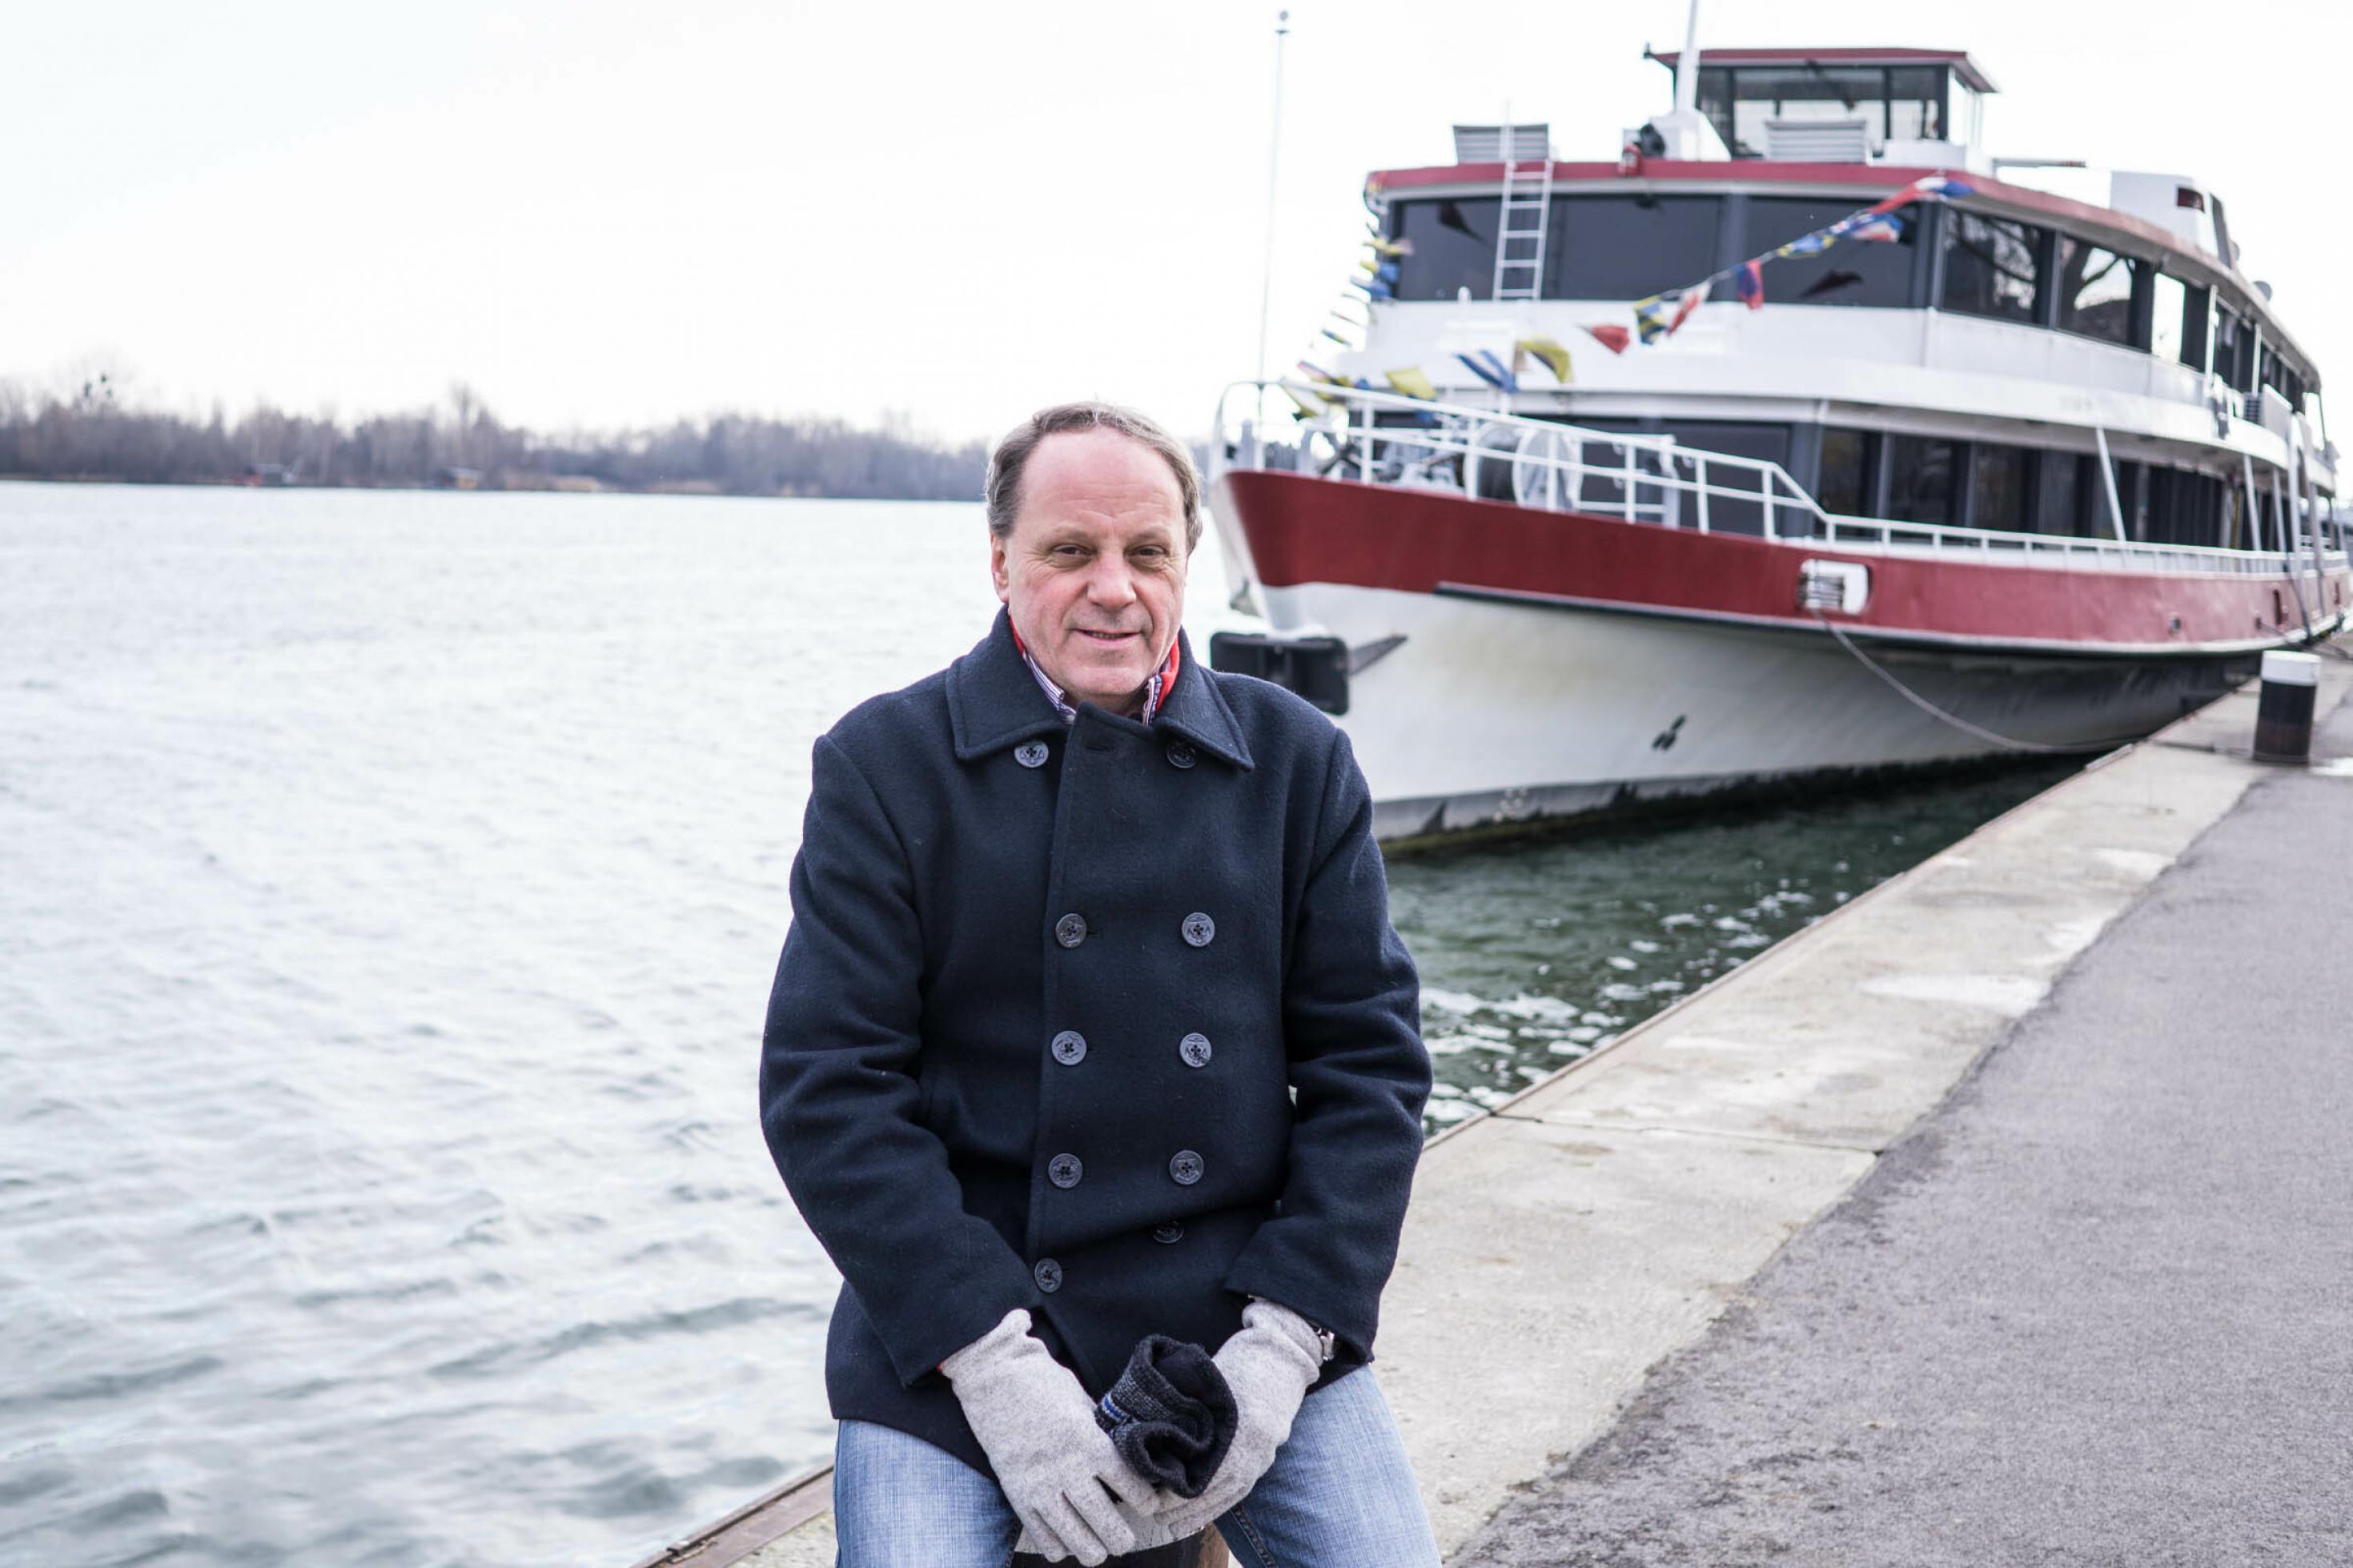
1878	222
1611	336
1545	351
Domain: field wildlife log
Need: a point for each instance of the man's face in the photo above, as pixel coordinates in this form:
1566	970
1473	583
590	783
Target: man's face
1093	572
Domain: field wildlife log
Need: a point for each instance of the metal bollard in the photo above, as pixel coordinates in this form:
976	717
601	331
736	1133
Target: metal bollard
2284	714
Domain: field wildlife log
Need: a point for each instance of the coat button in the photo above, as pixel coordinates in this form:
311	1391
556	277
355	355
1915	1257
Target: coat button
1070	1048
1184	1169
1049	1274
1199	929
1031	753
1072	929
1195	1049
1170	1233
1180	754
1064	1171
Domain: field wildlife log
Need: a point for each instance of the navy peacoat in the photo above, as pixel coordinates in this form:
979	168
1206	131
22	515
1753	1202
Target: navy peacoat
1104	1020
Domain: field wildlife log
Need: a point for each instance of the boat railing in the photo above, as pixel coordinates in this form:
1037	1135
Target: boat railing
1392	439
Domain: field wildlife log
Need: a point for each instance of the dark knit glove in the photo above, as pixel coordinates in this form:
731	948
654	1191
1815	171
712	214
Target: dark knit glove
1170	1415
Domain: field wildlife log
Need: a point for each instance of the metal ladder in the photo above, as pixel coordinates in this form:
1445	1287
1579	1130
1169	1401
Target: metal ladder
1526	154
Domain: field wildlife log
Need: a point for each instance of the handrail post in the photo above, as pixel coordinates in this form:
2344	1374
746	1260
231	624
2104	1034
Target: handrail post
1365	456
1699	485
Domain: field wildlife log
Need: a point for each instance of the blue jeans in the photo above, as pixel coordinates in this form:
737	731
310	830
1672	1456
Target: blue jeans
1340	1494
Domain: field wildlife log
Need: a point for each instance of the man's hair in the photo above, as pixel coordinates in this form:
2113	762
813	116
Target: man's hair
1012	455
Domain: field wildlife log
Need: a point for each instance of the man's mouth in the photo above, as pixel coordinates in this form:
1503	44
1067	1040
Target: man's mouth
1095	636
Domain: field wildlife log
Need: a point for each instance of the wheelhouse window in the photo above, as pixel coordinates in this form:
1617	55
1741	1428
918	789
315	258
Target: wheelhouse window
1903	102
1454	247
1628	247
1851	272
1920	475
1992	266
2095	289
1915	104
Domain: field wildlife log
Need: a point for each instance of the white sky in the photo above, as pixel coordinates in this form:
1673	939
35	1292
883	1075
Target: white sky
604	214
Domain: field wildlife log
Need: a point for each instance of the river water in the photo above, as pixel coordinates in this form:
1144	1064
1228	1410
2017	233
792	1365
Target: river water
389	889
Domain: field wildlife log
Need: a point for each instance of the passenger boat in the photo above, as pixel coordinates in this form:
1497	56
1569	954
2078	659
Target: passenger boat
1800	438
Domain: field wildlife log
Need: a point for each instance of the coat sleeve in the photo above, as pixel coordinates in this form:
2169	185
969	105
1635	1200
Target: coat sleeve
1351	1008
837	1088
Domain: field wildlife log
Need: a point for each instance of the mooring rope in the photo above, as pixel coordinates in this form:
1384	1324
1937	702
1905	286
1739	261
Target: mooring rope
1956	721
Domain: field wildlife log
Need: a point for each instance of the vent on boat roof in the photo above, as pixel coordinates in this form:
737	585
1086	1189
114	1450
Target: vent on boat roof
1817	141
1487	143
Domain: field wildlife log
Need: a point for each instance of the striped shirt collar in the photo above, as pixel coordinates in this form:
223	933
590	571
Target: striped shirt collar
1155	690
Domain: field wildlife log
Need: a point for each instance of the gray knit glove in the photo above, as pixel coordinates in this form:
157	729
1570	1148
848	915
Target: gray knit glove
1037	1428
1268	1366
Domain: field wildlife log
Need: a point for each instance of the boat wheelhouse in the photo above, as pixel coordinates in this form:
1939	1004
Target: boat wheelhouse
2023	461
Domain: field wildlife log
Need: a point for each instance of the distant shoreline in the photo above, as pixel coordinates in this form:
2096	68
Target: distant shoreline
90	437
697	489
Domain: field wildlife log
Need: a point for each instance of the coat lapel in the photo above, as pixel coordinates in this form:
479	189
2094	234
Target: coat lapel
995	702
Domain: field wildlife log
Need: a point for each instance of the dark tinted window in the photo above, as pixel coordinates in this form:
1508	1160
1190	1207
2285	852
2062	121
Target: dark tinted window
1990	265
1851	272
1920	474
1729	514
2095	291
1845	484
2233	350
1627	247
1998	486
1453	247
2059	494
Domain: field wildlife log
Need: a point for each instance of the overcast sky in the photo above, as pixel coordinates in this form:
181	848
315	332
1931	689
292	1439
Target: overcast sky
605	213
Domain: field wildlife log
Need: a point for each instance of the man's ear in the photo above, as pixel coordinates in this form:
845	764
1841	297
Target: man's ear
996	569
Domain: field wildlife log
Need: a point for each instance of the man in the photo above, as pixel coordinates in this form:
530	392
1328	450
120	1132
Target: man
1091	1025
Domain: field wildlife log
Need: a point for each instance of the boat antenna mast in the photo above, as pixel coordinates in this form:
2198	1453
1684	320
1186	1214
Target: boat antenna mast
1273	168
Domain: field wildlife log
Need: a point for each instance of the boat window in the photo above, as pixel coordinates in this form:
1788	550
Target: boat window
1726	514
2178	321
1844	487
2060	488
1915	104
1628	247
1998	486
2095	291
1453	242
1850	272
1991	266
2234	349
1920	474
2184	508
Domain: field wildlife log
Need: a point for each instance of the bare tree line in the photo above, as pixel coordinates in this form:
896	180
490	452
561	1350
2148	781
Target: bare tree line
87	433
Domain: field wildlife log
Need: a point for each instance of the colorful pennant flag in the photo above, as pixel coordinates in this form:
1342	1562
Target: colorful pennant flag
1812	244
1944	186
1373	287
1686	305
1389	248
1884	227
1650	319
1411	381
1483	364
1553	356
1611	336
1337	338
1749	280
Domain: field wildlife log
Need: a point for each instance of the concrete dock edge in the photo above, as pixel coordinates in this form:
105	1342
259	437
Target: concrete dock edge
1561	1245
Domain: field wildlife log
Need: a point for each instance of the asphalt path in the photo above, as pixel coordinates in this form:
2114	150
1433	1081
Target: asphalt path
2095	1309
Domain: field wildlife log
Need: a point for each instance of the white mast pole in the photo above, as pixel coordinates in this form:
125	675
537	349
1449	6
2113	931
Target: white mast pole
1273	168
1687	71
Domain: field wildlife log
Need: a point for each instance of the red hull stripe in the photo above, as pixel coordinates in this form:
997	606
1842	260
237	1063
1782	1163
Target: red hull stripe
1304	530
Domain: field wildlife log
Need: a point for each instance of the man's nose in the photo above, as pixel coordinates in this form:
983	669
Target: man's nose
1111	583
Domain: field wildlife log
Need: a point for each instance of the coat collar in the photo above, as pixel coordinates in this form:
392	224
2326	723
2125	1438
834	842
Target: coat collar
995	702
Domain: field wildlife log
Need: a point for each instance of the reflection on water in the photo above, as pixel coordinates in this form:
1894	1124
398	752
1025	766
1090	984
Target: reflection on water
392	884
1532	952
